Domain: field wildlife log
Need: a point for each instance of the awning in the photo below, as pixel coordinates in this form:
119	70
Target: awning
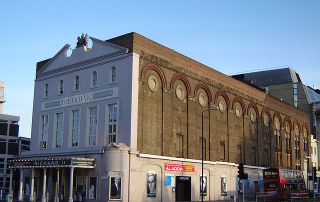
52	163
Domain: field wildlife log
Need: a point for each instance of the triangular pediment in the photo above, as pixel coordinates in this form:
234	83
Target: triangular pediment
81	54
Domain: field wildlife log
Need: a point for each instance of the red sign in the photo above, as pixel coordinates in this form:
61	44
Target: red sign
179	168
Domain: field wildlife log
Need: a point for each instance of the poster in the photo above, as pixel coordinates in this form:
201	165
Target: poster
169	179
151	185
115	188
204	183
223	186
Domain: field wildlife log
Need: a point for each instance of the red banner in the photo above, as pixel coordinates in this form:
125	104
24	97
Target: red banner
179	168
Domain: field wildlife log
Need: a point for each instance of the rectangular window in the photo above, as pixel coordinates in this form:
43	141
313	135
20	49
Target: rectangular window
93	126
59	129
44	132
295	94
61	87
253	156
75	128
222	151
112	123
204	148
239	154
179	145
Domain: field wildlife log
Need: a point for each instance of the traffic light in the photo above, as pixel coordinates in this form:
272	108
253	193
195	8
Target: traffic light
314	173
240	170
241	173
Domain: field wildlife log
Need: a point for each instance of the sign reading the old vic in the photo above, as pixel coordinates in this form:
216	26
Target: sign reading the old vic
60	162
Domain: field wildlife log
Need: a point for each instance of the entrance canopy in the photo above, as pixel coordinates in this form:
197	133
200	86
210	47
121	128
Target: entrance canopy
53	163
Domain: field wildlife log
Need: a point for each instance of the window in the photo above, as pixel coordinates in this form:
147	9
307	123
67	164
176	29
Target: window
297	142
179	145
204	148
113	74
112	123
93	126
75	128
46	90
94	79
76	83
253	156
277	140
44	131
222	151
59	129
61	87
277	136
81	186
295	94
2	168
305	140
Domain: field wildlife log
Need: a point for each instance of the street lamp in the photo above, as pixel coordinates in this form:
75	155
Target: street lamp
214	108
307	157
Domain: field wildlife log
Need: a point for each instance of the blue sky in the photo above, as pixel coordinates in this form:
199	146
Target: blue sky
229	36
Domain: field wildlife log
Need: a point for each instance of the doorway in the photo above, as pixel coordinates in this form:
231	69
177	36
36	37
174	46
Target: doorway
183	188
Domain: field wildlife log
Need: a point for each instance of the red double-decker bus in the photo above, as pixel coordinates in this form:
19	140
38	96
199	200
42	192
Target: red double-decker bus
278	181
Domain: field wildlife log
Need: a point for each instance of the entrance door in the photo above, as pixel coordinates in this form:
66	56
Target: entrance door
183	188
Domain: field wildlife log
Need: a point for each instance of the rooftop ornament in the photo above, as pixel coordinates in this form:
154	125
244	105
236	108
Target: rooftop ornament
83	40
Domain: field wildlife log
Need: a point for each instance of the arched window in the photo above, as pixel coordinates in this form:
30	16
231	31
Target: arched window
297	142
113	74
76	83
305	140
61	87
288	143
94	82
46	90
277	140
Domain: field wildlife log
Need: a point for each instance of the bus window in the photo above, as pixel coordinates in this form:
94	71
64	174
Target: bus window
290	187
302	187
271	185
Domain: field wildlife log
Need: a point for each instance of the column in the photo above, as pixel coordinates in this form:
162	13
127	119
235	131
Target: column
32	197
71	185
20	197
10	187
43	198
56	197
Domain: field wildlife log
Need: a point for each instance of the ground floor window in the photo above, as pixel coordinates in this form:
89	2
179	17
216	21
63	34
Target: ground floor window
81	188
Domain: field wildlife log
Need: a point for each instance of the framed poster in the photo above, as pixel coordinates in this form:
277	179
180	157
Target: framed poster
115	188
203	181
223	186
151	184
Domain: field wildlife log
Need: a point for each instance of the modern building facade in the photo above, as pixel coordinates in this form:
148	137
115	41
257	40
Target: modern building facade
129	119
285	84
11	145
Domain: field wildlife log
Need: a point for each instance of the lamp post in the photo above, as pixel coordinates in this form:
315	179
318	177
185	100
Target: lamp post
307	157
214	108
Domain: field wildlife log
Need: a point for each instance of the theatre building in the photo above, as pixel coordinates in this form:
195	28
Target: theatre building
128	119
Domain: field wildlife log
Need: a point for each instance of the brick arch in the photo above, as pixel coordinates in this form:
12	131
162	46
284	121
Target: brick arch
205	88
306	126
224	95
289	120
238	99
298	124
265	110
185	81
279	117
254	106
157	69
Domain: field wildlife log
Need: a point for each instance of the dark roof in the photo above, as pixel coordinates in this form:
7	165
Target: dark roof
270	77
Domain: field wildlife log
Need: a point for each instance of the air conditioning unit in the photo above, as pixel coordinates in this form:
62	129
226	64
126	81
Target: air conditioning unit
43	144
